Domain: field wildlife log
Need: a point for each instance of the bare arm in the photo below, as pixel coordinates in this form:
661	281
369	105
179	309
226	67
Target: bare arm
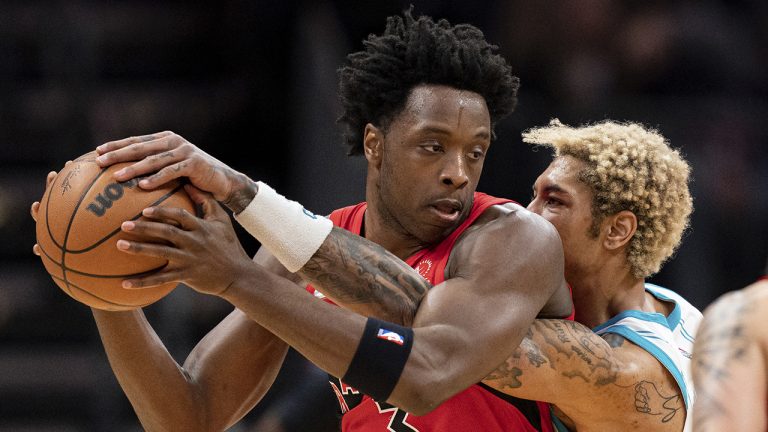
476	319
366	278
595	381
729	363
225	375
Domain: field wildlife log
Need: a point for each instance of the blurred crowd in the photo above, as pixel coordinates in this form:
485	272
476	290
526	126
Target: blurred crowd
254	83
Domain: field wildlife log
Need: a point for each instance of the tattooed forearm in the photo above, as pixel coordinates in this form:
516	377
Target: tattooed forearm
351	271
570	350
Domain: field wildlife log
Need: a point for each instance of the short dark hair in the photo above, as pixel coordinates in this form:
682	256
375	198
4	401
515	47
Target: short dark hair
375	82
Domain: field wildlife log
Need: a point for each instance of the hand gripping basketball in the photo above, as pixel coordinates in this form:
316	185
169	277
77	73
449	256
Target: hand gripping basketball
167	156
78	225
204	253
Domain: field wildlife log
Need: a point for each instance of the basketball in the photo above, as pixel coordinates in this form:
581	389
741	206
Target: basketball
78	226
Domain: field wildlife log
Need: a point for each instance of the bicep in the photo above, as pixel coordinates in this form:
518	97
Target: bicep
469	324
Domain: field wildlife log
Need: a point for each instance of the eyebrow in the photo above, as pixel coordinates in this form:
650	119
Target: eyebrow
440	131
552	188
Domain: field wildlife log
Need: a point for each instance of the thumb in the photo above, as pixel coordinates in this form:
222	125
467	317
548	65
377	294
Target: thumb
211	208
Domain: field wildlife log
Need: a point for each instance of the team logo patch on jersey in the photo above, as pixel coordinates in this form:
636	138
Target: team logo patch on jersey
424	267
390	336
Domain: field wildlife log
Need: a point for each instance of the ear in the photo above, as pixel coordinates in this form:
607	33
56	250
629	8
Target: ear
373	143
620	228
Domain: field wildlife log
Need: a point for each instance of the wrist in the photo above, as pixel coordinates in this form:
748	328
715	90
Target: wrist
242	194
234	292
284	227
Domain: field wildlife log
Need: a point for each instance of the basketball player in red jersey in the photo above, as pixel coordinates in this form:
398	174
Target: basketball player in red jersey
730	362
632	372
420	104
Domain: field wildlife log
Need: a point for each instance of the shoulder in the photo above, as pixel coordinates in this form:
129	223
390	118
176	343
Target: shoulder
513	220
509	242
742	308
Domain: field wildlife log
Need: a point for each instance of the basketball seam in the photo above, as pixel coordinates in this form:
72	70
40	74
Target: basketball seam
96	275
69	226
104	300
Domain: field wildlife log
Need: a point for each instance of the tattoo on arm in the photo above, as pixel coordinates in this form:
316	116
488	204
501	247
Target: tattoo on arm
351	270
649	400
721	342
570	349
242	193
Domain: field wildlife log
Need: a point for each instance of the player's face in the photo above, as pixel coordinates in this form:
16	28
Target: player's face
431	162
565	201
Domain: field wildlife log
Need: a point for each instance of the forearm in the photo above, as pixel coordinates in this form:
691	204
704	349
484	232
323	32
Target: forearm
364	277
326	335
556	351
158	389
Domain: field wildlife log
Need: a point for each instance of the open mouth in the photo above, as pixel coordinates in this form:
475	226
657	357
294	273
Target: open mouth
447	210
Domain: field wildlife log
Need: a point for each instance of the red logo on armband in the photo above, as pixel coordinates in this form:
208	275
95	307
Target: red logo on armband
390	336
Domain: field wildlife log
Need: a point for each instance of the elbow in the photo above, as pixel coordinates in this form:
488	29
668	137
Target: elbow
422	404
421	393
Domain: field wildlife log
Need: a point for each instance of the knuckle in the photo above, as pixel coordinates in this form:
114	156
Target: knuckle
170	230
182	213
186	148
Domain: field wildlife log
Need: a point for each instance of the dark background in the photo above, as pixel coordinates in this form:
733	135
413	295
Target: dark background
254	83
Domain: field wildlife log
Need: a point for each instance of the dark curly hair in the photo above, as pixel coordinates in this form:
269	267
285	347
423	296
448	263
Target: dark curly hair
375	82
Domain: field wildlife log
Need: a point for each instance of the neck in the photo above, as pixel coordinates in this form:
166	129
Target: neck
383	229
603	292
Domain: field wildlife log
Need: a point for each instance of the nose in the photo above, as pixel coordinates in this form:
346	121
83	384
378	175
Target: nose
535	206
454	172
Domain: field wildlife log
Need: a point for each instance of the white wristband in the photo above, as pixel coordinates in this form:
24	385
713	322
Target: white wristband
291	233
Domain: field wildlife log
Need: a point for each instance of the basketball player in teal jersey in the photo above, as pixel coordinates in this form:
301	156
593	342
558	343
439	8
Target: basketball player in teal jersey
730	362
607	192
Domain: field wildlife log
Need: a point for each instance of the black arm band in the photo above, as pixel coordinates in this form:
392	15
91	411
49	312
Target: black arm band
379	359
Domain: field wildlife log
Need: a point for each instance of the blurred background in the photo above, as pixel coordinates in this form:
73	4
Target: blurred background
254	83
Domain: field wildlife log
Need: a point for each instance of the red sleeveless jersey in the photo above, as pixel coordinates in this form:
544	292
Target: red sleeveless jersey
478	408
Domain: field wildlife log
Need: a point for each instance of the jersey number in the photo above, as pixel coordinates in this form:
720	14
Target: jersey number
398	422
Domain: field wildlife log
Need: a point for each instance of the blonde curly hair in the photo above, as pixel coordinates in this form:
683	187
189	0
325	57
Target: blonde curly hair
630	168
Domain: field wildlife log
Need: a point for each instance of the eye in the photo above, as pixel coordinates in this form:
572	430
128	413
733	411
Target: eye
476	154
432	147
552	201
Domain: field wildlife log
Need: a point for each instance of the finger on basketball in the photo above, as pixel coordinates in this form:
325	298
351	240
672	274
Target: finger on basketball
135	152
36	249
155	230
167	170
49	179
118	144
34	209
159	278
148	249
180	216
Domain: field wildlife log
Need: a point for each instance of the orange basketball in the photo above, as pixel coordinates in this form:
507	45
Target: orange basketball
78	225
